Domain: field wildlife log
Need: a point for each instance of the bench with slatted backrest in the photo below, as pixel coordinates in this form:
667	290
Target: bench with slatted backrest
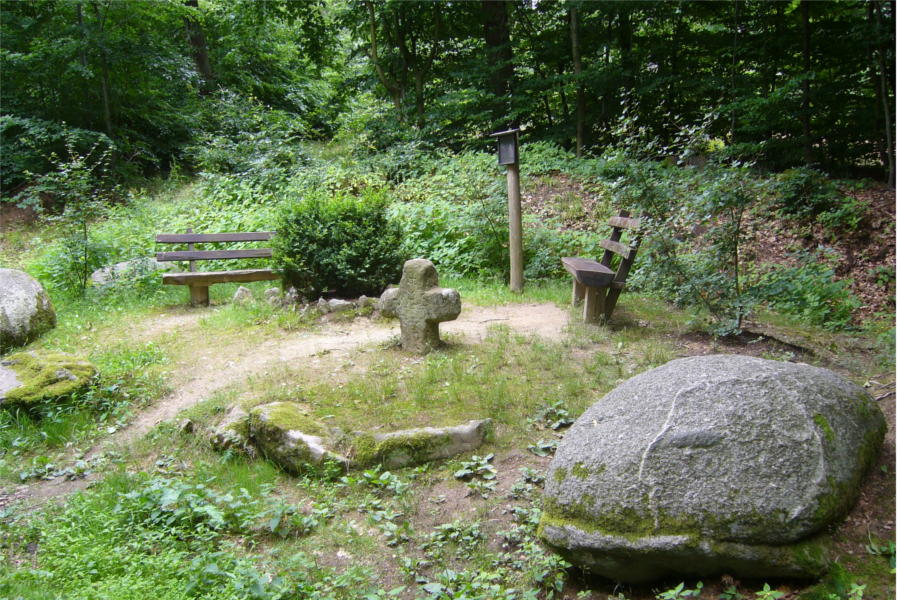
596	283
199	281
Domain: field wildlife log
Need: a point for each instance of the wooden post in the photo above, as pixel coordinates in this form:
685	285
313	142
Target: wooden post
516	260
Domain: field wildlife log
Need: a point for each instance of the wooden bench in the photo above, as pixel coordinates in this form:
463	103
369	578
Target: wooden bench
596	283
199	281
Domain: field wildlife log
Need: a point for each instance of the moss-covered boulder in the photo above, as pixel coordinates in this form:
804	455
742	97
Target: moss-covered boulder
711	464
416	446
285	434
30	377
25	309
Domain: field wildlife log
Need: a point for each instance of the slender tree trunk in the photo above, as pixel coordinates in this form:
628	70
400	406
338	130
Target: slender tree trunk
104	79
82	52
562	93
392	88
625	38
885	101
495	19
806	108
579	86
420	98
734	48
199	50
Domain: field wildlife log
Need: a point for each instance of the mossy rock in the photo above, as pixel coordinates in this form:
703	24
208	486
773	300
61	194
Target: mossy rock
30	377
25	309
711	464
285	434
416	446
232	432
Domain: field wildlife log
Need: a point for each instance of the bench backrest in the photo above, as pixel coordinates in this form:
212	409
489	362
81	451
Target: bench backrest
191	238
204	238
614	247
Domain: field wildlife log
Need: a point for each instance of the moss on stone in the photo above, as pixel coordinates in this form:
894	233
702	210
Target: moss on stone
289	416
560	474
46	375
823	424
418	447
580	471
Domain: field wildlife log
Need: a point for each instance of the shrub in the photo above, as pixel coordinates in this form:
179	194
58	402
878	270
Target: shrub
805	193
340	243
811	292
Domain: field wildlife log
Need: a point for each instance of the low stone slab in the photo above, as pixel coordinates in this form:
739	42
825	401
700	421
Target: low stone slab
286	435
711	464
25	309
30	377
415	446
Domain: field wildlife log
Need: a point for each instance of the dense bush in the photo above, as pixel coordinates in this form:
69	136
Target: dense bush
810	291
805	192
338	243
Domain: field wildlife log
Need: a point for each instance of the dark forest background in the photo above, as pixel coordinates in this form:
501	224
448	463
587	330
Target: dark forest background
781	84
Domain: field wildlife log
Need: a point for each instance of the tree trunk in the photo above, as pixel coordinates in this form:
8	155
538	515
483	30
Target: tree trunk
579	86
199	50
805	109
495	18
885	101
104	79
392	88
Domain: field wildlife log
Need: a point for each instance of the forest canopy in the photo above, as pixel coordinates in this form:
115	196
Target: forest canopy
159	82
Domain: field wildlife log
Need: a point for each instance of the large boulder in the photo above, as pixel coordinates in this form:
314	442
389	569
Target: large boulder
285	434
711	464
30	377
25	309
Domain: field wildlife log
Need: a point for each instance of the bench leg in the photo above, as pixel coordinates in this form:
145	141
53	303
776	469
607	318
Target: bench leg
199	295
594	304
577	292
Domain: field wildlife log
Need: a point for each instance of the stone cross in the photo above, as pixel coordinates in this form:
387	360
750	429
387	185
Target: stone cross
421	305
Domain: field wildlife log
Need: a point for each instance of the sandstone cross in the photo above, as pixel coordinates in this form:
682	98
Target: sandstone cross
421	305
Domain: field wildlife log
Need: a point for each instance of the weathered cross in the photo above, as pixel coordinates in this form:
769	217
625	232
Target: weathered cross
421	305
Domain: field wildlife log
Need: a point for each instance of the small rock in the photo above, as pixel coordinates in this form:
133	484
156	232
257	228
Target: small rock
415	446
387	303
364	301
322	306
337	305
186	426
292	296
273	296
243	295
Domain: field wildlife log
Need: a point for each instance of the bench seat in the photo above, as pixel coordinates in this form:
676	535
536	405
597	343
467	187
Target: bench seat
206	278
588	272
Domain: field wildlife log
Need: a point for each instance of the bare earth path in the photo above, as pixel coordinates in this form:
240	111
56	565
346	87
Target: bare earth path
234	364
